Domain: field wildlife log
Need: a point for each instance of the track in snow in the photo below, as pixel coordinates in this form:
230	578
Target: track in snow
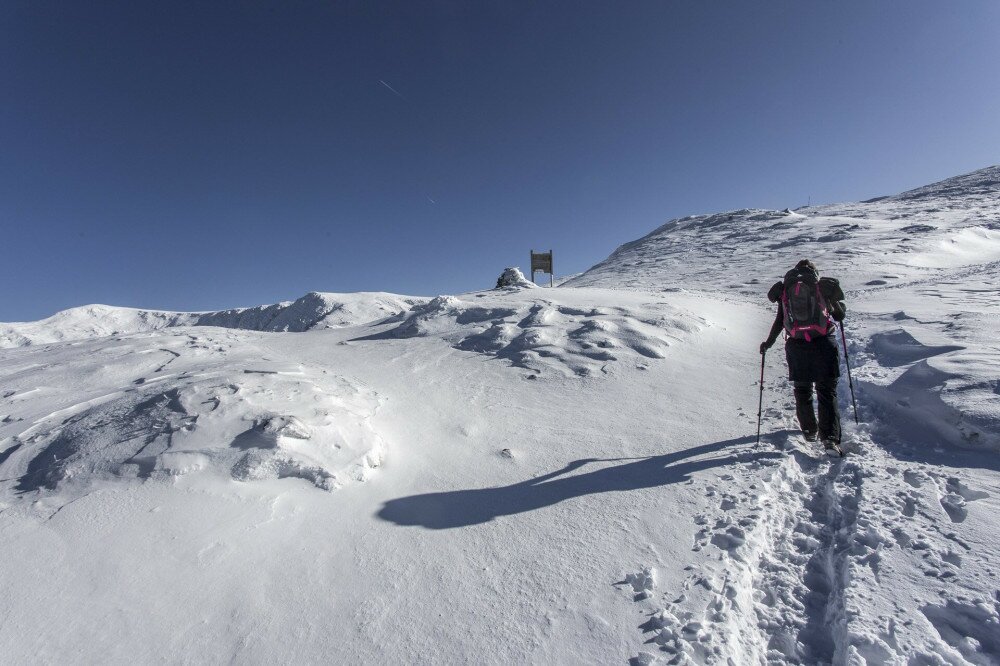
775	593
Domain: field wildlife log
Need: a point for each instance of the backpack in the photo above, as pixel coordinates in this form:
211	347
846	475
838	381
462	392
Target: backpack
807	309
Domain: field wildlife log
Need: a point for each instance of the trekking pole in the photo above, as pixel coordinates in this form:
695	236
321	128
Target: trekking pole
760	404
850	381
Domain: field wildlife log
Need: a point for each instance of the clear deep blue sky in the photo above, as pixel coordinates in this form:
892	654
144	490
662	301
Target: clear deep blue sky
201	155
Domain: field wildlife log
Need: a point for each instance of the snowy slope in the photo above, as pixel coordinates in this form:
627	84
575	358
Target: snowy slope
523	475
922	272
921	269
951	224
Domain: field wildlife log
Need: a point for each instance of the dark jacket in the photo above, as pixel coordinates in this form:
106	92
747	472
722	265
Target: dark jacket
808	360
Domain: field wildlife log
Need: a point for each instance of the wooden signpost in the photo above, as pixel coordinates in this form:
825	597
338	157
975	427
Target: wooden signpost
542	262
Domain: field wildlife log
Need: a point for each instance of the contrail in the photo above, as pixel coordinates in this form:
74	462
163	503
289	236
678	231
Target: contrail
393	90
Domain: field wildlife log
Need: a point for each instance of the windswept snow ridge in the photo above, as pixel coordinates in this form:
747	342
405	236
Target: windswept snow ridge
538	333
314	310
890	241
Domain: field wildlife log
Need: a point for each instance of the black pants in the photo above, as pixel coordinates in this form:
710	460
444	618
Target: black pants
829	416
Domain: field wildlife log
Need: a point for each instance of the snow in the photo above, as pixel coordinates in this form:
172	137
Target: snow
523	475
513	277
965	247
176	407
314	310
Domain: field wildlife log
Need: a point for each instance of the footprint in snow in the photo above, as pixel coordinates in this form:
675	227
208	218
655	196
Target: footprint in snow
954	506
957	494
643	583
910	503
915	478
956	486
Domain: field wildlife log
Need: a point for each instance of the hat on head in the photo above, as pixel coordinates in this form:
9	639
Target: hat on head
805	263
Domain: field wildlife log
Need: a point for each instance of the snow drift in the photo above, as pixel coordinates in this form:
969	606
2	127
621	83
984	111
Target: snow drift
185	404
537	333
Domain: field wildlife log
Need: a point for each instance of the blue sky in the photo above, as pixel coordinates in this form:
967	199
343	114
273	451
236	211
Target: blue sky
202	155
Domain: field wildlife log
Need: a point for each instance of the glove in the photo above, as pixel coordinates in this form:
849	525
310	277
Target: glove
764	346
837	310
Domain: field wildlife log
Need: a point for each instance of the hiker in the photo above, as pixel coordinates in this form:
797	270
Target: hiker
808	306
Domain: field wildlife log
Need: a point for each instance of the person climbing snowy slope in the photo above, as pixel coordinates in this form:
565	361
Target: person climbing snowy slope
808	307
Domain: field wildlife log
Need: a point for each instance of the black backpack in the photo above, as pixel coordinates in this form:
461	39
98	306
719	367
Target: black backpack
809	303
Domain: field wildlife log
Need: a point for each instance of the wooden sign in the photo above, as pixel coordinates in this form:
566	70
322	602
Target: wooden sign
541	262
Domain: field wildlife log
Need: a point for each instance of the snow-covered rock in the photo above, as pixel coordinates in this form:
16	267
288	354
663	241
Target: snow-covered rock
513	277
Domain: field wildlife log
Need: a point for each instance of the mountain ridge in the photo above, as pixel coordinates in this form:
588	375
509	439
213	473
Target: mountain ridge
313	310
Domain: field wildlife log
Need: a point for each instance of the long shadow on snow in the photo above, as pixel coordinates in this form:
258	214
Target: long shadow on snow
461	508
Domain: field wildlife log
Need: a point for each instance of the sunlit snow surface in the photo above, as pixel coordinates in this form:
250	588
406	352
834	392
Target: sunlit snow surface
523	475
159	405
314	310
198	398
